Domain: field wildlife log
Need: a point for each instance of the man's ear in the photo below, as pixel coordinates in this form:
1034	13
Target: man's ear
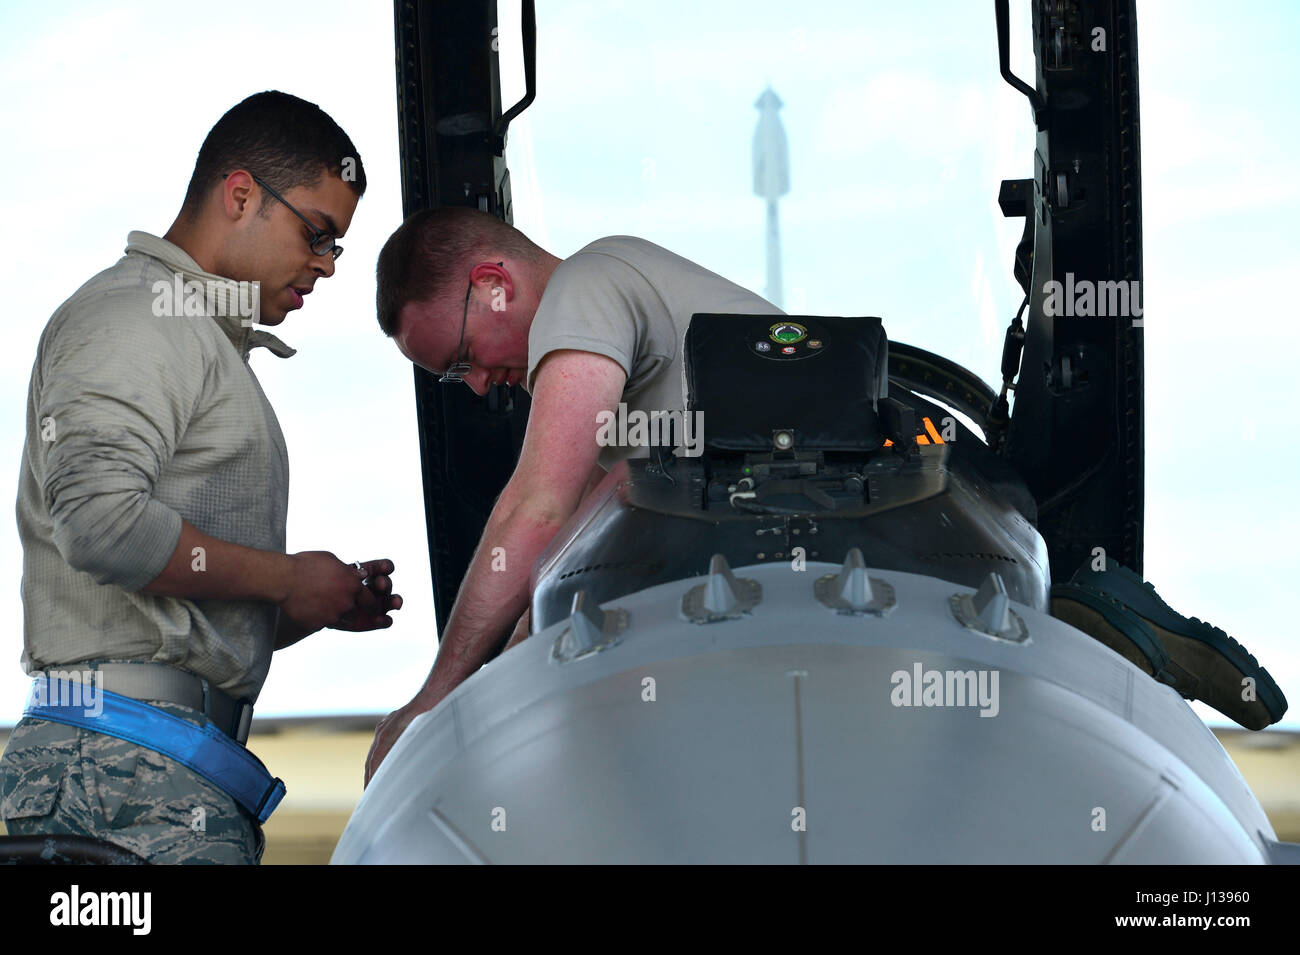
494	276
237	194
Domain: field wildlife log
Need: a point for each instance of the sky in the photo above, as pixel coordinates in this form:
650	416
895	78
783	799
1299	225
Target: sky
900	130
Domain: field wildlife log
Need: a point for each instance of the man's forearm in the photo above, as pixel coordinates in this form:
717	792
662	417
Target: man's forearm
224	570
207	567
490	600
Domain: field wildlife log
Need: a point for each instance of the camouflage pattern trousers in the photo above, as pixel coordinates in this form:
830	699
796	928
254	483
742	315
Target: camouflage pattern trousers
63	780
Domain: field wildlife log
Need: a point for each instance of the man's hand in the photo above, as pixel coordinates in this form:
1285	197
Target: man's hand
368	612
320	590
389	730
374	602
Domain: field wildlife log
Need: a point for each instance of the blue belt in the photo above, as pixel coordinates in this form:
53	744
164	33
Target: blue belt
205	749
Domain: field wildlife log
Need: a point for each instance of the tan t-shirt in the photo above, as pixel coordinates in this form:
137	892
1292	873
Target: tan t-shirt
631	300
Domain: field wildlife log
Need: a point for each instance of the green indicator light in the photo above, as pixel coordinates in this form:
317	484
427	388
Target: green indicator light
746	470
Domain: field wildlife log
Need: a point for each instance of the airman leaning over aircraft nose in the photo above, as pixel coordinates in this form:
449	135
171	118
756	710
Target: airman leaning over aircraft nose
472	299
159	346
594	337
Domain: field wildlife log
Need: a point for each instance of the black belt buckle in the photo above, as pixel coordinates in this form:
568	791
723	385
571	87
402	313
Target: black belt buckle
242	719
235	722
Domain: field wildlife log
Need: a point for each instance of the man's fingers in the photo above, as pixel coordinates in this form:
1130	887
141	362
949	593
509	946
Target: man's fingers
386	734
370	613
374	605
367	605
380	602
375	756
374	597
377	585
374	567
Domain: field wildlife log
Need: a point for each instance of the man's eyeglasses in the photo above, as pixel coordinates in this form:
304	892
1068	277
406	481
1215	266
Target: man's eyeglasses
322	243
460	368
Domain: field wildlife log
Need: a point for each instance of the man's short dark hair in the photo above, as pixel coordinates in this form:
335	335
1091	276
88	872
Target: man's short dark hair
283	140
433	251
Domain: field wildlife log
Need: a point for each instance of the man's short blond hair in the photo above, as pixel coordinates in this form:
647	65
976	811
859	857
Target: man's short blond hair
431	253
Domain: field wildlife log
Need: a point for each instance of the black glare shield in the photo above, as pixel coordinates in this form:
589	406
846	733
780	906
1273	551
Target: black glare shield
758	377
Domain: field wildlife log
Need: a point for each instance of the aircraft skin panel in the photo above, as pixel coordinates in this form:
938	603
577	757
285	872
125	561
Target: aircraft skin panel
947	519
578	765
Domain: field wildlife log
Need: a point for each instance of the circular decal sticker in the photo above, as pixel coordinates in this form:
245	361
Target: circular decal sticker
787	333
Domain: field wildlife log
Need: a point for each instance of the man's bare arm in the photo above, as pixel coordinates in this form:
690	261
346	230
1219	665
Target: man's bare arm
313	589
521	628
490	601
556	468
204	566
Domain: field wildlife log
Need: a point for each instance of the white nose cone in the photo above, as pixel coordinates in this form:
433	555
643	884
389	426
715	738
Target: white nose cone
796	732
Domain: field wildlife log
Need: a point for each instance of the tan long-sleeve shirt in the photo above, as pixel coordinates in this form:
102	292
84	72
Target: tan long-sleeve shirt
139	416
